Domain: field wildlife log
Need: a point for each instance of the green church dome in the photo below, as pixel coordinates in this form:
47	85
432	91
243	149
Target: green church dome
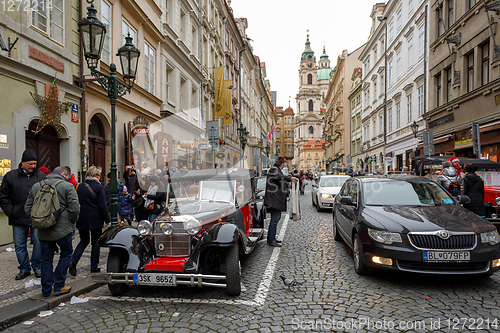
308	54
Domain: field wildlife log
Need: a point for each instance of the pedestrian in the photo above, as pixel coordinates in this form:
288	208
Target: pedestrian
455	162
93	216
474	189
154	198
450	180
125	204
14	191
275	197
130	177
59	234
108	192
44	170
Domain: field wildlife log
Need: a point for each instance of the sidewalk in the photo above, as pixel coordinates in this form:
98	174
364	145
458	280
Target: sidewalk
21	300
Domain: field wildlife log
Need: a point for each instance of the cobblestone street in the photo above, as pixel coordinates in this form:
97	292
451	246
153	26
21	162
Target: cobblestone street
332	298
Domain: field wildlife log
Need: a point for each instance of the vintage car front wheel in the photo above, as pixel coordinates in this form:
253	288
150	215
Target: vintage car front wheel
233	286
115	265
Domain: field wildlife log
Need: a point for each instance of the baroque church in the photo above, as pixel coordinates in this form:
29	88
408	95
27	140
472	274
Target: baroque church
314	79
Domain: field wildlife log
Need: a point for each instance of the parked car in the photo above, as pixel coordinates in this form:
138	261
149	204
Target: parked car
325	190
260	191
412	224
209	220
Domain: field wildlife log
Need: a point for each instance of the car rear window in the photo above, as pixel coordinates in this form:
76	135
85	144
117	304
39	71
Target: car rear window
404	193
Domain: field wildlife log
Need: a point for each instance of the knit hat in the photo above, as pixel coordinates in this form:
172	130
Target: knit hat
470	168
125	188
28	155
109	175
44	170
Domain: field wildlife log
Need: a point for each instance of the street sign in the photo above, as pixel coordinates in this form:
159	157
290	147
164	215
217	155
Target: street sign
204	146
476	140
388	159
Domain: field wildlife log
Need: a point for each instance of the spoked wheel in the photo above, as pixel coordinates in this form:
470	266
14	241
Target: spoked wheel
233	285
359	265
116	265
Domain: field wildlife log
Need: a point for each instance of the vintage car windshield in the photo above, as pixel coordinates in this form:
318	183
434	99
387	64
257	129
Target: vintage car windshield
217	190
261	184
333	181
405	193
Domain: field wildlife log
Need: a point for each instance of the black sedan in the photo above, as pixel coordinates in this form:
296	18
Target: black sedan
412	224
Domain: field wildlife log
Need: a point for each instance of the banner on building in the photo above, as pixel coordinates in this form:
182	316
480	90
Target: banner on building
165	149
227	102
219	81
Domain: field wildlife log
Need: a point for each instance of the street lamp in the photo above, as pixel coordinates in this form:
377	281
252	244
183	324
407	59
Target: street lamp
243	139
414	128
92	33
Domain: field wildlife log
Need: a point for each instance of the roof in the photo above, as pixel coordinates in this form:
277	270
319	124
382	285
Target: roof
394	178
324	74
289	110
318	144
211	174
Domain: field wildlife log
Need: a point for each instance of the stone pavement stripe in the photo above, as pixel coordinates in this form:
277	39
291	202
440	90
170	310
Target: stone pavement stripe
264	285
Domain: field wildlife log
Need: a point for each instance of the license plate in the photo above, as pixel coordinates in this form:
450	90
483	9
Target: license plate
155	278
446	256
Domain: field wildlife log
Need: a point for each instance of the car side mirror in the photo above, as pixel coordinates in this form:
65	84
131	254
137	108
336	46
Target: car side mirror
347	200
463	199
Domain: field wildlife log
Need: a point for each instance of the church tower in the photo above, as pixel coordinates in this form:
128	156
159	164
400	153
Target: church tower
310	99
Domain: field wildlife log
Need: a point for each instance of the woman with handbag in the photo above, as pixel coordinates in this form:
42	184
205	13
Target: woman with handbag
154	198
93	215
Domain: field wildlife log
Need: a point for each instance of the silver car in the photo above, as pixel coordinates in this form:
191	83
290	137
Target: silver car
325	190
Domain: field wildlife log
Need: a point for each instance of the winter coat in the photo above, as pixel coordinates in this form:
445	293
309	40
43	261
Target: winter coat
159	199
70	208
449	175
94	212
125	204
474	189
14	191
130	181
108	194
276	189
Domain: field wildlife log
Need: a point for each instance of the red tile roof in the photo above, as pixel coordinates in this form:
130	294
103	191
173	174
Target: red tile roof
318	144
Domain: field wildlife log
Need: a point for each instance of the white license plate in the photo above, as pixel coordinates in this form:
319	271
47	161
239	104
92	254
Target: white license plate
155	278
446	256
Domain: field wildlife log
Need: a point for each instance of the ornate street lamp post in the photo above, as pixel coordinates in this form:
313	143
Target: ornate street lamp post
92	33
243	140
414	128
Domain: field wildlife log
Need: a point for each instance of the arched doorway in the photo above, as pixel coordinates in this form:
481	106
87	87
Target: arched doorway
45	144
97	143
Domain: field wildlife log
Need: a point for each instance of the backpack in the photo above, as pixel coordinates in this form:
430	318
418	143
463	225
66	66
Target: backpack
454	188
46	208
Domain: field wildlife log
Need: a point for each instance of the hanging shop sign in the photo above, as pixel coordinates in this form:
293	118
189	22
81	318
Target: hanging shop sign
140	126
186	144
235	155
165	149
220	155
463	139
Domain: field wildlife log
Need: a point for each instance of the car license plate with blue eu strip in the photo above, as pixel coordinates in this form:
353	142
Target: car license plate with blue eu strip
155	278
434	256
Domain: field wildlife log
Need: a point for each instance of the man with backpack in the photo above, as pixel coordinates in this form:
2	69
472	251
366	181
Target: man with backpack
450	180
60	232
13	193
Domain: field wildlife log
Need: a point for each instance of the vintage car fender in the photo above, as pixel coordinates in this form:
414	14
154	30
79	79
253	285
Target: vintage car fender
126	238
218	235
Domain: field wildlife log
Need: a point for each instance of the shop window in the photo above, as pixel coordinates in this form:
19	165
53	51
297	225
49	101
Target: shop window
490	152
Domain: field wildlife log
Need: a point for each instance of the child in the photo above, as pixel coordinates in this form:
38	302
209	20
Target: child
125	205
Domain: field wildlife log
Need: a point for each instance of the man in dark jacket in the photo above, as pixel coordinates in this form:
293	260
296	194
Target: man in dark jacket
474	189
13	193
275	197
60	233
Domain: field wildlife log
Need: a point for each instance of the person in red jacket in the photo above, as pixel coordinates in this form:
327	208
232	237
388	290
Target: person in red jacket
455	163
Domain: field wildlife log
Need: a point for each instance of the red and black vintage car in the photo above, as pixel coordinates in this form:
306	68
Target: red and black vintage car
210	218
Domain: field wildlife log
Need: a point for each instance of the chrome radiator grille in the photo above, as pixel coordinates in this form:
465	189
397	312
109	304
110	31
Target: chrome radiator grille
434	242
177	244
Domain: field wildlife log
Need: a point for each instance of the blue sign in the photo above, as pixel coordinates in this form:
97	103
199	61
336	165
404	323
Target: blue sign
74	108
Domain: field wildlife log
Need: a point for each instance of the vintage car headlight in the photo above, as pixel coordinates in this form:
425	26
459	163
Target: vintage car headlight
326	195
192	227
497	200
144	227
384	237
490	237
167	229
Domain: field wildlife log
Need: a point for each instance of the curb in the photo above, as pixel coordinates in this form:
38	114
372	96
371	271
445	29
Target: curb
29	308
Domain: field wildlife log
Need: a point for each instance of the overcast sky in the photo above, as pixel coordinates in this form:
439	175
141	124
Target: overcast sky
279	31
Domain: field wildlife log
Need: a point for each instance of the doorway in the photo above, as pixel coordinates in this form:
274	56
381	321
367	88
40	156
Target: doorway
97	144
45	144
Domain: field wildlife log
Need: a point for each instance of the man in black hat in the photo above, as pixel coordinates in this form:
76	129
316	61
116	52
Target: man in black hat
14	191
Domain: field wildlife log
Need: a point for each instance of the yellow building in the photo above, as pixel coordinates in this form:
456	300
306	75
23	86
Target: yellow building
284	133
312	155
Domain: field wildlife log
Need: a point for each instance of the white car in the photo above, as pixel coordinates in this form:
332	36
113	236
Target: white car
326	188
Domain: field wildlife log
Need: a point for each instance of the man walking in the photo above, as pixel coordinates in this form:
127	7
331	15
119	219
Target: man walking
275	197
15	187
60	233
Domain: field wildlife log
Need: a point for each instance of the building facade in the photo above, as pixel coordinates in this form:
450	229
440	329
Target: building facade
284	133
312	156
463	86
356	109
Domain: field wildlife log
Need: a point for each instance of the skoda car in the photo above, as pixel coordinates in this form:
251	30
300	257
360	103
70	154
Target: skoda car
325	190
412	224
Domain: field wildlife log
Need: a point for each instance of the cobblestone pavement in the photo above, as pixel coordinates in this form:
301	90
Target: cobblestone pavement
332	298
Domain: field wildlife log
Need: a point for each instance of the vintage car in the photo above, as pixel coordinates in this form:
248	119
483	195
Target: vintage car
260	191
208	221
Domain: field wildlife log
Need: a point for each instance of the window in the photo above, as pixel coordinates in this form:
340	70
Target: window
382	43
390	31
410	6
421	40
277	149
470	71
380	124
311	130
182	26
308	154
126	30
390	73
311	105
106	19
374	91
194	41
375	55
485	68
420	97
399	20
309	79
438	90
149	68
374	127
278	135
368	131
278	122
169	83
440	24
317	154
398	65
398	114
382	84
410	52
49	20
183	97
449	76
472	3
450	13
408	107
389	120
